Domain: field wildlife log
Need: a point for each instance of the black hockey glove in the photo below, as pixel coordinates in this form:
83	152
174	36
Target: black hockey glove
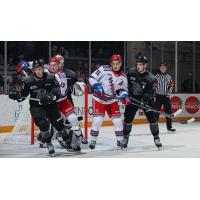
15	95
46	98
148	99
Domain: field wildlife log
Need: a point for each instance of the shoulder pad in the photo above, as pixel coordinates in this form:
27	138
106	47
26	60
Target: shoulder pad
152	77
105	67
50	76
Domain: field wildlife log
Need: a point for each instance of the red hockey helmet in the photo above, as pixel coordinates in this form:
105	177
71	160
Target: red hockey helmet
55	59
116	57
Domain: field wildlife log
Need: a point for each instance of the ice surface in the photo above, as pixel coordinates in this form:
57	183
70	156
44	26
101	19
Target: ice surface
185	143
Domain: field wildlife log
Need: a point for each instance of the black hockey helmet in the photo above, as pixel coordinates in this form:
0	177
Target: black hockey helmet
146	59
38	63
140	58
163	64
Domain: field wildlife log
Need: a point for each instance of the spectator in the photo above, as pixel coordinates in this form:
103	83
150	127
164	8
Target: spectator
63	52
78	52
54	50
187	85
72	52
100	53
17	82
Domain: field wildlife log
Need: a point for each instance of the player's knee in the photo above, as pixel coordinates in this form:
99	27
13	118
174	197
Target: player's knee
73	120
46	134
96	124
154	129
42	123
128	119
117	122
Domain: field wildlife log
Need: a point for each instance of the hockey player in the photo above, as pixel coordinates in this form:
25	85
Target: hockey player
109	84
26	68
141	84
71	79
44	87
64	105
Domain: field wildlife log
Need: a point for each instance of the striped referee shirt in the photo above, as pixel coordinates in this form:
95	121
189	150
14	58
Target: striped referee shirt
165	84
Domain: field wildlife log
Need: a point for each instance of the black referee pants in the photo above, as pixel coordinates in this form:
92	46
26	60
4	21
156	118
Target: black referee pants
163	100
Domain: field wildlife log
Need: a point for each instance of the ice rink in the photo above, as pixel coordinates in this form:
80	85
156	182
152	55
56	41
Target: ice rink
185	143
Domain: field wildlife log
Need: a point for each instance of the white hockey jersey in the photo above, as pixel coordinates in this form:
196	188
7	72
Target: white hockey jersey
62	80
113	84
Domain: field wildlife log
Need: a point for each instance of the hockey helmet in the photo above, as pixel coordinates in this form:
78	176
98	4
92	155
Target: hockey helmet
55	59
116	57
38	63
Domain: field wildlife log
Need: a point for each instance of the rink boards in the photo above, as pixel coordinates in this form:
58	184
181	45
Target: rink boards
10	110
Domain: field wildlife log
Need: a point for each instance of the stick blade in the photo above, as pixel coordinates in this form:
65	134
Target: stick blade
190	121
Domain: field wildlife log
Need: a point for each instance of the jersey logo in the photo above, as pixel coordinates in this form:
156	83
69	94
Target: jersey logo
33	87
62	85
97	72
132	78
111	85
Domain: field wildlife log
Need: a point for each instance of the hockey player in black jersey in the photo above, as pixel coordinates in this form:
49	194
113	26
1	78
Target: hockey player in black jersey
141	85
45	88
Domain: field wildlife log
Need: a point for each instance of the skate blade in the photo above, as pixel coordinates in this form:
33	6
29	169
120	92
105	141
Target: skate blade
42	146
171	132
119	149
73	152
52	155
84	142
92	150
159	148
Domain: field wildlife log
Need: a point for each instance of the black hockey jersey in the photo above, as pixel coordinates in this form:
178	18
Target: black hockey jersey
34	86
140	84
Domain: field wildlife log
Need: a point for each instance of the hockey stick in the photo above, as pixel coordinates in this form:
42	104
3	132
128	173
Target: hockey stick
189	121
150	109
30	98
179	111
34	99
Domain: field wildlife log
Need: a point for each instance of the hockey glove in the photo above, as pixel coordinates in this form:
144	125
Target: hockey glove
148	99
122	97
46	98
125	100
15	95
98	88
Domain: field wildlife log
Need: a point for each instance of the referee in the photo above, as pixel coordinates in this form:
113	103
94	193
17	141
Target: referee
163	91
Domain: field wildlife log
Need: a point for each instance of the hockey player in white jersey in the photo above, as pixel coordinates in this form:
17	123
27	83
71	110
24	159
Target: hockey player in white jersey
64	105
109	85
